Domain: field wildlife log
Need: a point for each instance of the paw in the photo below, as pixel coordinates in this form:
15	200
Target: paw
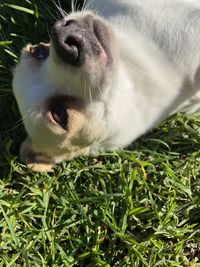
36	161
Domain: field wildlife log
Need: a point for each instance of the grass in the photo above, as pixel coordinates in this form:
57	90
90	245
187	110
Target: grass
135	207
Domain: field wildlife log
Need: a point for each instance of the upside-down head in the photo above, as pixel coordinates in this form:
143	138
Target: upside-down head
61	88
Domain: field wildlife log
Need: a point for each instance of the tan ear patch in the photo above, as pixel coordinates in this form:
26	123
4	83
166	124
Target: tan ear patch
29	47
39	52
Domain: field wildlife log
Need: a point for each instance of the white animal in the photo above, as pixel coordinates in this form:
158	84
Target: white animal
110	73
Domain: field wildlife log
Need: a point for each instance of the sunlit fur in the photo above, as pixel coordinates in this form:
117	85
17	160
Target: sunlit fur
155	71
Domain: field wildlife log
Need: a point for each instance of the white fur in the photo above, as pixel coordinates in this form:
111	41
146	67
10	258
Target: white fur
156	48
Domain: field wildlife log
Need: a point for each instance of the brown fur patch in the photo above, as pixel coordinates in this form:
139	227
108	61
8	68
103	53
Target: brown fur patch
29	48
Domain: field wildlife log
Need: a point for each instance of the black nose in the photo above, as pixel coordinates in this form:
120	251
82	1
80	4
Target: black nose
68	41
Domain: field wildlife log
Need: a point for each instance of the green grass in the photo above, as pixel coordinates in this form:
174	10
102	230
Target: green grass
135	207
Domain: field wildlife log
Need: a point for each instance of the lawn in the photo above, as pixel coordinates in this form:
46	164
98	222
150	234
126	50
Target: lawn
135	207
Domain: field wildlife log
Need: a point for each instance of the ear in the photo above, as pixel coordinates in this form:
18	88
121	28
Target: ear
36	161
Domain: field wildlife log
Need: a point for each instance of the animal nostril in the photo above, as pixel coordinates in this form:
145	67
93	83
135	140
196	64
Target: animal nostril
72	41
69	42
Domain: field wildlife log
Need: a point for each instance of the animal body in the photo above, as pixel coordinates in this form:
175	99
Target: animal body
110	73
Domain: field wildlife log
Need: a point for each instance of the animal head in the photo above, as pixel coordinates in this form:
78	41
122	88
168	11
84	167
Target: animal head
61	87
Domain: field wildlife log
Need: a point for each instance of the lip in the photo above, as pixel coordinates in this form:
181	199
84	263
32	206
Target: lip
102	36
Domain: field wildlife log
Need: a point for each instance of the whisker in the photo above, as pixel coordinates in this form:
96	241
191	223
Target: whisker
85	89
83	5
15	127
48	9
48	32
20	121
35	118
62	12
72	5
90	94
86	5
100	89
77	5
